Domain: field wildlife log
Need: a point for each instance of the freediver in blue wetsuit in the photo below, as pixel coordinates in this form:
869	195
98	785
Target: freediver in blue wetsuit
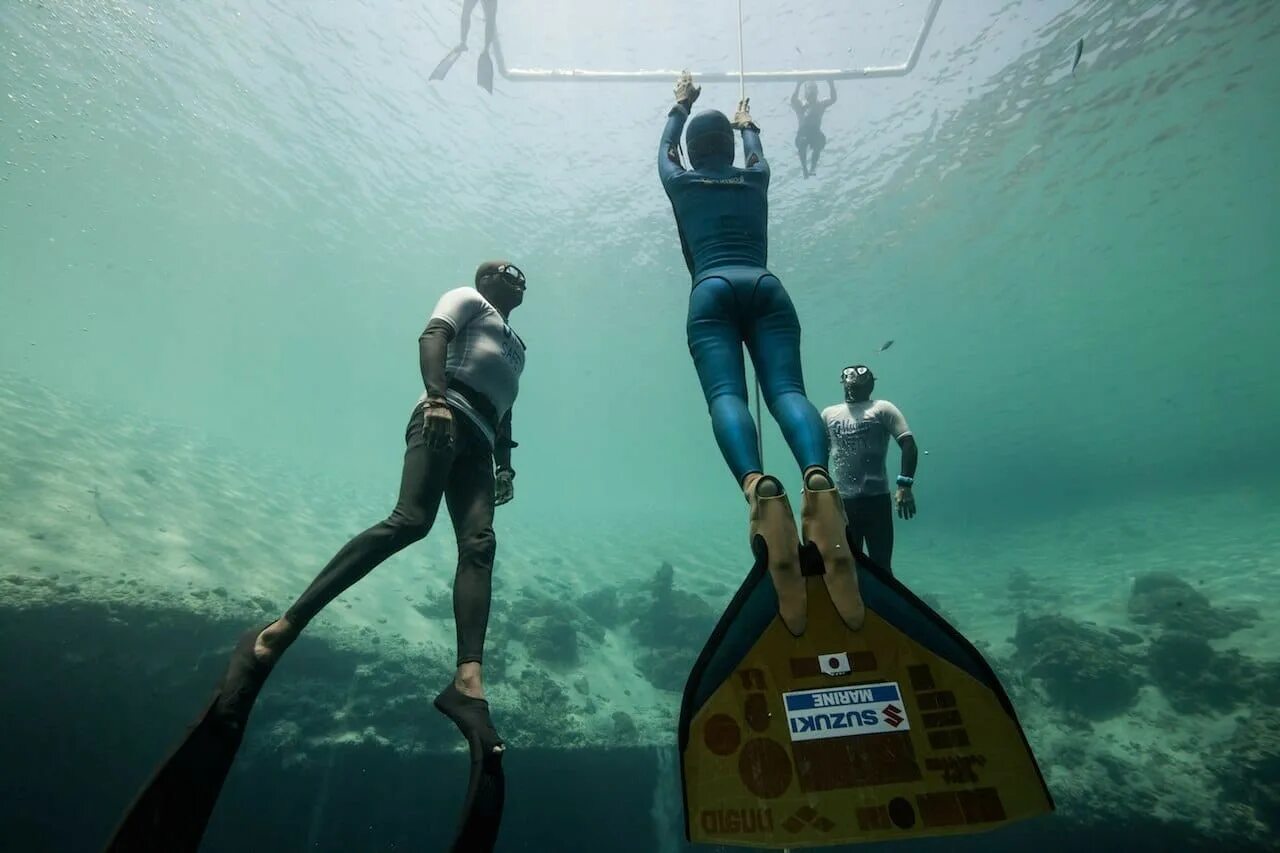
722	214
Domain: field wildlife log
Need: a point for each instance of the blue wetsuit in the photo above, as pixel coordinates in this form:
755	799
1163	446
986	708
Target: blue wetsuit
722	214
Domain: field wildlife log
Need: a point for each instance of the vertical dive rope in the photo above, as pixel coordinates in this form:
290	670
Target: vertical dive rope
742	86
742	96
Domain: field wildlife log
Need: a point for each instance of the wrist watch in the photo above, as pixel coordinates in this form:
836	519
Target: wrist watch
904	480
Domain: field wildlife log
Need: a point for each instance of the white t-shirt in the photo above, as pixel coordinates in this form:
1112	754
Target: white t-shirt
858	435
485	354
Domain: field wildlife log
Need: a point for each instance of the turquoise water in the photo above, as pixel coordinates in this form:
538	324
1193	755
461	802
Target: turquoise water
223	227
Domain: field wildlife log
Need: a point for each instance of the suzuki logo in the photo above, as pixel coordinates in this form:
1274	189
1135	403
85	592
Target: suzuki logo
892	715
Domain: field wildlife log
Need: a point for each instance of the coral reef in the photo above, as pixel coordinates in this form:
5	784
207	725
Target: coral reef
541	713
624	728
673	625
603	606
552	640
1197	679
436	605
1082	668
551	629
1165	600
1249	768
1020	583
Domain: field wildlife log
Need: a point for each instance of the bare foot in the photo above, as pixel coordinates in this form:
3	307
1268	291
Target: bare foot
469	681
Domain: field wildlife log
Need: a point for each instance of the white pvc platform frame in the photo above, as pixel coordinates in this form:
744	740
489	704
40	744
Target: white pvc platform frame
583	75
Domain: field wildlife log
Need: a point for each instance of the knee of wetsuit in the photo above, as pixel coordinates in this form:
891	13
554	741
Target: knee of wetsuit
408	524
479	548
710	140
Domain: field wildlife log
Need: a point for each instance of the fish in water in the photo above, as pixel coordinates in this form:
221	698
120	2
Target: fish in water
97	505
1079	53
884	346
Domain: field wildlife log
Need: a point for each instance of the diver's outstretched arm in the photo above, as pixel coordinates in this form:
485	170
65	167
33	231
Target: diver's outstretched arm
669	165
831	90
796	104
751	146
686	93
753	149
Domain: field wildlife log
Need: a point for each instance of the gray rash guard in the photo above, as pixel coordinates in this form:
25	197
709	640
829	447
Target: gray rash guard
485	355
859	434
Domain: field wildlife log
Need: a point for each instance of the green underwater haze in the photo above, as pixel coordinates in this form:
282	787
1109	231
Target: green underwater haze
223	227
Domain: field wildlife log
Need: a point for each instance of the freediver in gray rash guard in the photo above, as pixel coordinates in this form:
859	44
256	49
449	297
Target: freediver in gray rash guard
471	361
859	431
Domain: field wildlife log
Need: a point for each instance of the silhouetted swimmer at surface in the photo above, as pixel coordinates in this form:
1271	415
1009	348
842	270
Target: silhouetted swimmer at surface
484	64
810	140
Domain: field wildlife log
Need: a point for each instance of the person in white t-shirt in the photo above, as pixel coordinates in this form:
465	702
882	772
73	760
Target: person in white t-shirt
858	431
457	452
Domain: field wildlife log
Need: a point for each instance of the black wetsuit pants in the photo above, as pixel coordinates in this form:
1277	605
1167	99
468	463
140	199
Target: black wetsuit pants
871	527
463	476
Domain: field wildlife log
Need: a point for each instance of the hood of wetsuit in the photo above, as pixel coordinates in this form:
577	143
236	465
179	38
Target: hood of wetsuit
710	140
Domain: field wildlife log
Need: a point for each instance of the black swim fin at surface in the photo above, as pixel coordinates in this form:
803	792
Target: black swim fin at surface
487	785
484	72
173	809
447	63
